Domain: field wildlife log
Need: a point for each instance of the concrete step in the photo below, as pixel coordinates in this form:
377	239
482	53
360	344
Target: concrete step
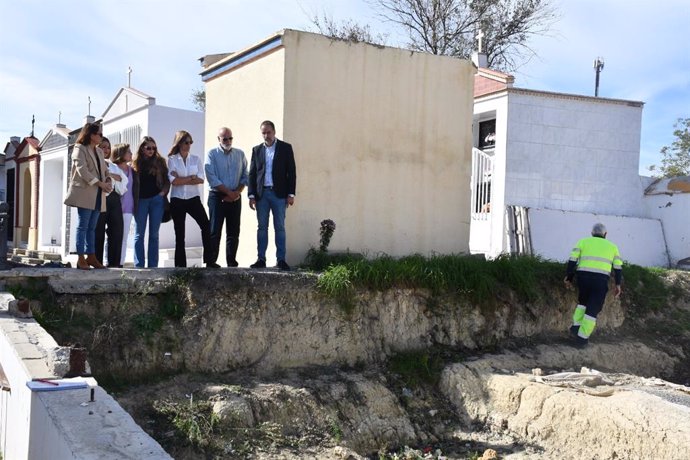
36	255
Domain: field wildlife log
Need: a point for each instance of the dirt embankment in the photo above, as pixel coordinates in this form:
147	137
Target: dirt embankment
488	402
266	366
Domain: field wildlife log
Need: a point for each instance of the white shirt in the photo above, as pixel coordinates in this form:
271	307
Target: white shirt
119	186
270	153
192	167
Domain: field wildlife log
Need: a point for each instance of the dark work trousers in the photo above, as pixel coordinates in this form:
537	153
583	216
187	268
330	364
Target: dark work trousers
229	212
179	209
110	223
592	289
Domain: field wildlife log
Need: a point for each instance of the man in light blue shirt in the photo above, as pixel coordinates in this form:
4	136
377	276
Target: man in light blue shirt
226	173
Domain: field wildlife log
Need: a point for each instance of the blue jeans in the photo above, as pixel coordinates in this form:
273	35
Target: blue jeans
269	202
150	209
86	229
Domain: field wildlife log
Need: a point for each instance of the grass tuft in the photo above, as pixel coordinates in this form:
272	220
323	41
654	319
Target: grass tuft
468	276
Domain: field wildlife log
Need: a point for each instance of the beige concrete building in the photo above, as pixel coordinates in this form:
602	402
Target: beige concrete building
382	139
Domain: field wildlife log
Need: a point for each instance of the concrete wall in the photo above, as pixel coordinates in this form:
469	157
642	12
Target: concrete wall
674	212
57	425
378	142
381	145
574	154
241	100
555	232
50	206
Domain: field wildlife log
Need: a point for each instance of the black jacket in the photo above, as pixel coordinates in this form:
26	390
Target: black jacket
284	170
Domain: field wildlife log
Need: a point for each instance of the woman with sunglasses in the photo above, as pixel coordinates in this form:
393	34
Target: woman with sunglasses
89	183
112	217
186	174
152	188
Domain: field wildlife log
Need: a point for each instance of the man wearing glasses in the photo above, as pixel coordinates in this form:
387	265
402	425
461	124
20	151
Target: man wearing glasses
272	180
226	173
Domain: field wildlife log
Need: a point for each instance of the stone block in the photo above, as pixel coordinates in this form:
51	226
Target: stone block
5	299
20	308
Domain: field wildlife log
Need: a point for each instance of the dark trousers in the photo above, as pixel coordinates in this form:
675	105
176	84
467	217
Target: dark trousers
110	223
229	212
592	289
179	209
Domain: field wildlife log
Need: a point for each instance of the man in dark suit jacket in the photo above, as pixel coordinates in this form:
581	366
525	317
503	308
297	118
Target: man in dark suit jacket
272	181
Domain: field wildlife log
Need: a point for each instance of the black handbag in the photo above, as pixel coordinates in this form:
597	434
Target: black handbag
166	210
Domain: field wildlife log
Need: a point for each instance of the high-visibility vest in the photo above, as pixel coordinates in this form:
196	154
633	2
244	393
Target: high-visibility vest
596	255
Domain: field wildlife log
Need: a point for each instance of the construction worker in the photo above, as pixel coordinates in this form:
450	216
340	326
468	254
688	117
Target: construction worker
592	258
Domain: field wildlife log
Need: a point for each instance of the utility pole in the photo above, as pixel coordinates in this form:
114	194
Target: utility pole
598	67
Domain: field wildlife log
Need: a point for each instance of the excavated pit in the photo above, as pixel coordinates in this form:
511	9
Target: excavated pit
280	371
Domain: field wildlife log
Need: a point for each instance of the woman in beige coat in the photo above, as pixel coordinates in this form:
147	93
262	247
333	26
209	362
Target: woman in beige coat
89	182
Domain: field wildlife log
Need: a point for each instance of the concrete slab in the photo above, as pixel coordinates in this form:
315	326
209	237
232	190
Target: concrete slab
28	351
97	430
38	369
17	337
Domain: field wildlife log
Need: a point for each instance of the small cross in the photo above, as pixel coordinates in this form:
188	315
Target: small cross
33	121
59	117
129	77
89	105
480	35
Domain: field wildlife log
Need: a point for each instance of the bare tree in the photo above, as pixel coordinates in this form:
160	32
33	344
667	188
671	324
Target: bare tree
199	99
347	30
449	27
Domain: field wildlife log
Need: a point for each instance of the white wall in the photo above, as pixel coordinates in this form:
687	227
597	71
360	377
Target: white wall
494	231
674	212
164	122
18	404
50	204
574	154
555	232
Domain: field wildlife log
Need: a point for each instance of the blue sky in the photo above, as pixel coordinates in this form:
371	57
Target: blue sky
55	55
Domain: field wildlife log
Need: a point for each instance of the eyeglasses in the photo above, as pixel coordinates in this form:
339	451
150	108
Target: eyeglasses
225	139
188	142
150	148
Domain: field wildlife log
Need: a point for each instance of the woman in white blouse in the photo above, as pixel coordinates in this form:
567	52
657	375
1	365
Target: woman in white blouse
186	173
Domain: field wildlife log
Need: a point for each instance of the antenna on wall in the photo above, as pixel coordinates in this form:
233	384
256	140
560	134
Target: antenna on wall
598	67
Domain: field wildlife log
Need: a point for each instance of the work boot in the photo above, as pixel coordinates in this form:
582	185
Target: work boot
93	261
82	264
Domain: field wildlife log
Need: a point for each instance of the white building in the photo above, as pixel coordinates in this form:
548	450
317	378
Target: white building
547	166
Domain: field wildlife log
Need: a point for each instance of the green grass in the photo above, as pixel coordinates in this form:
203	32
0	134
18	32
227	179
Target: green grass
530	278
472	277
647	289
195	421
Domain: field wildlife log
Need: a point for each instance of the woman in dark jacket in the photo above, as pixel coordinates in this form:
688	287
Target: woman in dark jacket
150	196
